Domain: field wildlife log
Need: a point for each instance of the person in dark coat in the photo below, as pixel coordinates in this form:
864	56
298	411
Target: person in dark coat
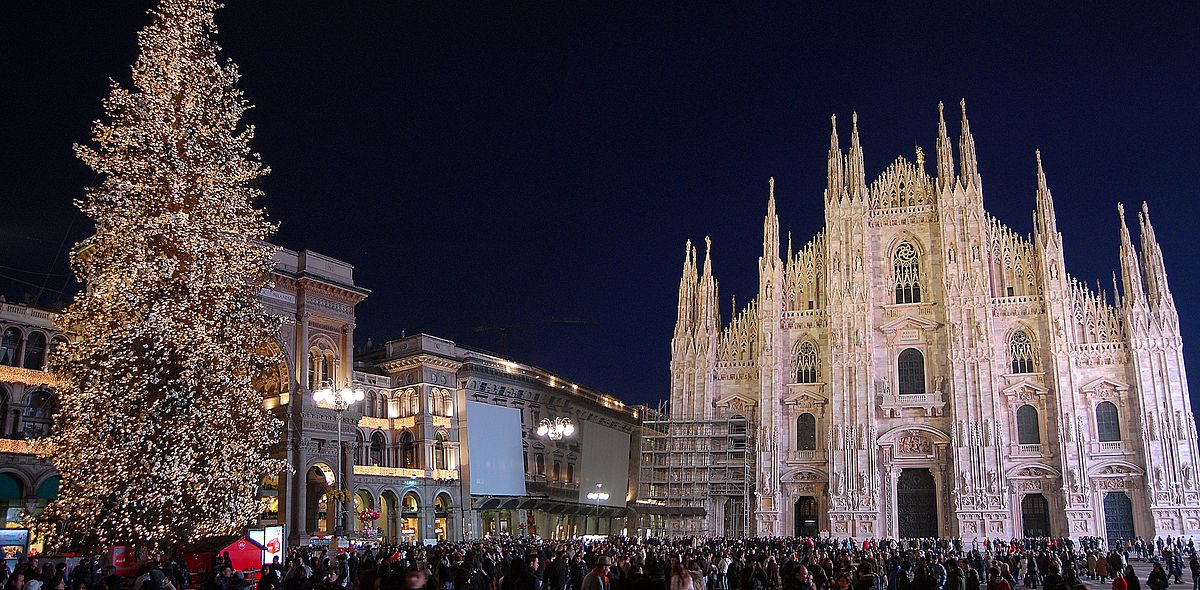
1158	578
1131	579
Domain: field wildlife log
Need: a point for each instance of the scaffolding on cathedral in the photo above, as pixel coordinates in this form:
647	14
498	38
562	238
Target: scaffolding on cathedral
699	464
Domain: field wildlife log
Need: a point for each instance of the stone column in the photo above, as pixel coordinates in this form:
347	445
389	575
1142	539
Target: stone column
347	475
939	493
893	519
297	508
298	494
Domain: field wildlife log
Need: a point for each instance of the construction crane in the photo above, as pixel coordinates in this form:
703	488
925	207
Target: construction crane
505	329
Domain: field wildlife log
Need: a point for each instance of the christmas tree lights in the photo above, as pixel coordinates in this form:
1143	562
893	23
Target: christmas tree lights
161	437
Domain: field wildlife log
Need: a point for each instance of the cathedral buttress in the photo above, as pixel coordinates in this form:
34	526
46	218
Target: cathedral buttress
977	481
852	460
771	374
1060	380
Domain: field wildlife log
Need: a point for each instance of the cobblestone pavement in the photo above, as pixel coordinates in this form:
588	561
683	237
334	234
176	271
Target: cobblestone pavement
1142	568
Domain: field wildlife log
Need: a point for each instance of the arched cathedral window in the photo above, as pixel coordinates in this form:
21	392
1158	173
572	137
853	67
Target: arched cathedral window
908	274
1027	426
1108	425
1020	351
910	372
806	432
806	363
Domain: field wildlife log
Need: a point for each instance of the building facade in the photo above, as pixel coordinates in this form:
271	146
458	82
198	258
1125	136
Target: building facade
27	406
484	440
919	369
403	450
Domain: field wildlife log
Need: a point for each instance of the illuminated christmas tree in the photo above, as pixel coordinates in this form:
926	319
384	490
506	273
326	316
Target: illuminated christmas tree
161	437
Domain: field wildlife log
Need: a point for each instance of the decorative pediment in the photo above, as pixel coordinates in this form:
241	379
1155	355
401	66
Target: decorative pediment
914	442
1033	470
908	322
909	329
894	435
1024	391
736	403
804	475
804	398
1116	470
1104	388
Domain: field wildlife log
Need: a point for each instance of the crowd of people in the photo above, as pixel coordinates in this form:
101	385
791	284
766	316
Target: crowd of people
677	564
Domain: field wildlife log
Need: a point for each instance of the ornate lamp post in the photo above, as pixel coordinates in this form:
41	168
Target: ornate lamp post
599	496
340	400
555	429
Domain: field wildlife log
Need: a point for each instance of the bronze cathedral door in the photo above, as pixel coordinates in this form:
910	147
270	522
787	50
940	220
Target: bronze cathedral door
916	504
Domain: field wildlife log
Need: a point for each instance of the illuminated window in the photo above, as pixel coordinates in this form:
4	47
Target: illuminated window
408	450
806	363
1020	352
440	458
908	274
40	407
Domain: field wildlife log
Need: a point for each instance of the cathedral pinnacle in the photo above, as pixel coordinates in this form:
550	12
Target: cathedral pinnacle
771	227
1157	291
836	181
1131	273
1047	225
833	138
966	148
945	151
707	256
857	179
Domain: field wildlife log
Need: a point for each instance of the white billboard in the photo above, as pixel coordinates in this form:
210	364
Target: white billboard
605	461
494	450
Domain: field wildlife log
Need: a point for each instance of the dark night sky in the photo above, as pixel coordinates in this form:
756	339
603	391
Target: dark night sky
493	165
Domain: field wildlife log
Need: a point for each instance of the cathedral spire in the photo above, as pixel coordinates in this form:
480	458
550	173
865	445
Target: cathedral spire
707	315
835	173
945	151
966	148
1047	225
856	175
687	291
771	227
707	256
1131	274
1157	291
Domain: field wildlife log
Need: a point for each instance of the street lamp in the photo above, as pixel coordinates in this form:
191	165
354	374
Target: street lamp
555	429
599	496
339	399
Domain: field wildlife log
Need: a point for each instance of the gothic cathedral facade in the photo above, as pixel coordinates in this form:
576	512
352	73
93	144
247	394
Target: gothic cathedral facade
919	369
